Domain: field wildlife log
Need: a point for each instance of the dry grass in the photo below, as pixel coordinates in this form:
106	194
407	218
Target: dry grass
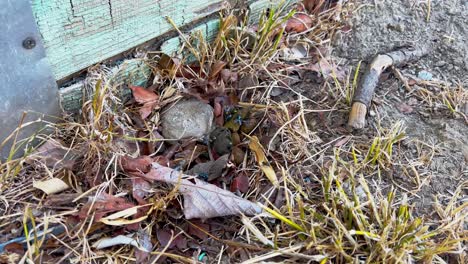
331	206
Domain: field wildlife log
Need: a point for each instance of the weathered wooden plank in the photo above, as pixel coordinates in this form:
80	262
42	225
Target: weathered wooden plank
129	72
132	72
71	97
79	33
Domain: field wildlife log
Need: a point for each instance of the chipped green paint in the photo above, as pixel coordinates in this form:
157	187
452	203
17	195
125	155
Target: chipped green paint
131	72
68	52
80	33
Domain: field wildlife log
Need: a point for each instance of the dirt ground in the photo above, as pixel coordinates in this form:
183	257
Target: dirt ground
387	25
384	26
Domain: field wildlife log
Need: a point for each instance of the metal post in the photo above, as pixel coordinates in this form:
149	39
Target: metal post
26	81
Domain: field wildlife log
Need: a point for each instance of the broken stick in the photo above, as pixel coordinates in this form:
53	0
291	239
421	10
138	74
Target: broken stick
365	91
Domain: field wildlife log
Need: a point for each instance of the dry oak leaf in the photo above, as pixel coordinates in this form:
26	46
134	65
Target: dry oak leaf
146	97
201	199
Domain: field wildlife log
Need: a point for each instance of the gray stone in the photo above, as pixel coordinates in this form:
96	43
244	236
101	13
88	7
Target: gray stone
425	75
187	118
275	91
440	63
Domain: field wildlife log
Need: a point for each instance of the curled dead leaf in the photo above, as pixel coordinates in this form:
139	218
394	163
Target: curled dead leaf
168	64
300	22
51	186
120	218
118	240
146	97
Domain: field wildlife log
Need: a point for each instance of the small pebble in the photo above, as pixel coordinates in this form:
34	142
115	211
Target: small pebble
440	63
276	91
425	75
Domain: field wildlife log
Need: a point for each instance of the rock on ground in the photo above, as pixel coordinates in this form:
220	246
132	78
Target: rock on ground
187	118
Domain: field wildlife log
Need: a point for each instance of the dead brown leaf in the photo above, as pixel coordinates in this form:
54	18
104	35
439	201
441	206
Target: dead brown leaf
148	98
201	199
132	165
216	69
205	89
199	229
54	155
167	238
300	22
240	183
102	205
313	6
143	95
168	64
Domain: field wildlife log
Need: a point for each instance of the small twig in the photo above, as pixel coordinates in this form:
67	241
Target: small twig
402	79
428	16
364	93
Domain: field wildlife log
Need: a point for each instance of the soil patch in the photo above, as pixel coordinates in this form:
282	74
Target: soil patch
386	25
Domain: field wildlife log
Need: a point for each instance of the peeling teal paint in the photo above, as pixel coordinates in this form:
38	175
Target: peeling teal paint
80	33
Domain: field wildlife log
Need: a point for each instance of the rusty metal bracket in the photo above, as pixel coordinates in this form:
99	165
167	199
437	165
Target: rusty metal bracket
26	80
